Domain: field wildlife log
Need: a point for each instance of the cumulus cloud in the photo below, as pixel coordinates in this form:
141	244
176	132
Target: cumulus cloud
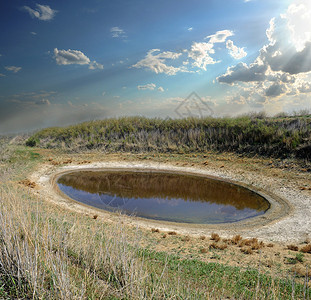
13	69
160	89
304	87
275	90
95	65
41	12
200	53
234	51
2	75
219	36
299	22
244	73
70	57
190	29
157	62
283	66
199	56
149	86
117	32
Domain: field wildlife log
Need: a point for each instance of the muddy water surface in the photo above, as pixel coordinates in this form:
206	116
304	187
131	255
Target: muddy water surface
164	196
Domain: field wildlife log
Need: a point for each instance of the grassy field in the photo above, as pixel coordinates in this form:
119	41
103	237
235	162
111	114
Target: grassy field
47	252
281	137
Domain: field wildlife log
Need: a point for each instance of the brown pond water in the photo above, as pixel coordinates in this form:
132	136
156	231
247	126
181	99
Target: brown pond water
164	196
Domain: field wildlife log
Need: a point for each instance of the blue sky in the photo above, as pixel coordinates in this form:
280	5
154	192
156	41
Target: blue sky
63	62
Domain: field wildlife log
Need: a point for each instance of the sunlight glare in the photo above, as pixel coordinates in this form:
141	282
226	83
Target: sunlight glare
299	22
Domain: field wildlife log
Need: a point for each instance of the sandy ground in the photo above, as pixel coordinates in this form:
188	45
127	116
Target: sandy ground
288	220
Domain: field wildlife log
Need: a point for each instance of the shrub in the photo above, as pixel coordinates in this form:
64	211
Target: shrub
306	249
215	237
292	247
236	239
31	142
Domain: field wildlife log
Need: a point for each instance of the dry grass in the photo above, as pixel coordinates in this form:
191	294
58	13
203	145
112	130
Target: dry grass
301	271
38	248
292	247
253	243
247	250
215	237
236	239
218	246
279	137
306	249
204	250
172	233
186	238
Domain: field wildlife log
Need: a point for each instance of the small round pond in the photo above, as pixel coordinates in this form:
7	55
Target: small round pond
164	196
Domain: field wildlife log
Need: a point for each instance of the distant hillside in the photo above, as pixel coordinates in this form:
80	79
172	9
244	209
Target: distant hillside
276	137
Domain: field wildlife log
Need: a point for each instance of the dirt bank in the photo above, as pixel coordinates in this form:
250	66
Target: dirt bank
288	220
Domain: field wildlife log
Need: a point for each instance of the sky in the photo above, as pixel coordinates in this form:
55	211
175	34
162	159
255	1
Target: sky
64	62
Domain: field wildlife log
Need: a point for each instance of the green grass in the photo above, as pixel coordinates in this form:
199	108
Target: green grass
225	280
276	137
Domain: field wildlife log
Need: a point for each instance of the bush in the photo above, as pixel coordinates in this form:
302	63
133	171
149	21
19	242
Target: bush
31	142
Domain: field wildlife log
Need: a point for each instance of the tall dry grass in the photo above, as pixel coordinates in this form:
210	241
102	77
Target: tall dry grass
277	137
47	253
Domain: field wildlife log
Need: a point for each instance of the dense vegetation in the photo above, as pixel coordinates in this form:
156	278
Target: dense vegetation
276	137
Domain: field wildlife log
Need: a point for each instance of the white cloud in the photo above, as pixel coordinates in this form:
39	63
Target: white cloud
95	65
299	22
160	89
157	62
33	33
200	53
199	56
70	57
149	86
190	29
283	67
219	36
13	69
234	51
117	32
304	87
42	12
2	75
